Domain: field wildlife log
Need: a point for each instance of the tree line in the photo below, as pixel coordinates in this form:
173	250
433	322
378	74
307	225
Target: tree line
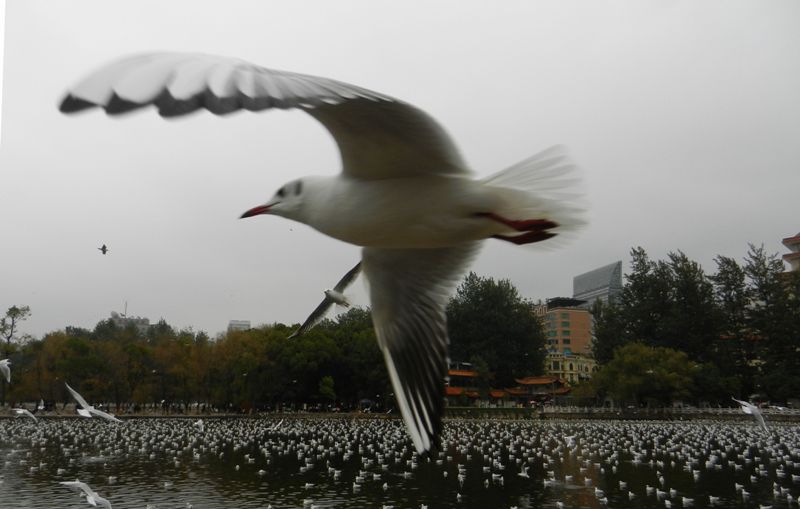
335	365
677	333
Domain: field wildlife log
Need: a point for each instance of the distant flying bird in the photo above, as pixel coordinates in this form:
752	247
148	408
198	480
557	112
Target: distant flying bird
103	249
21	412
753	410
88	410
91	496
404	194
335	296
5	369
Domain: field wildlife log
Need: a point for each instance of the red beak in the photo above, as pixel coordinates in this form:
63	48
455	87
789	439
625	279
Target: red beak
261	209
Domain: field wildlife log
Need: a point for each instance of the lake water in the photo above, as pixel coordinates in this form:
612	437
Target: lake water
369	463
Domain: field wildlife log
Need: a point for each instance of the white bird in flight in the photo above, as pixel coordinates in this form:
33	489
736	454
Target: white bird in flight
5	369
22	412
404	194
91	496
88	410
335	296
753	410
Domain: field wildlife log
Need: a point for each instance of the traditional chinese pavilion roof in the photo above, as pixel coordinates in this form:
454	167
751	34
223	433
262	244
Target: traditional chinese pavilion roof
458	391
461	372
539	380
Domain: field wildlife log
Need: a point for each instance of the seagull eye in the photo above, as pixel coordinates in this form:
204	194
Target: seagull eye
281	193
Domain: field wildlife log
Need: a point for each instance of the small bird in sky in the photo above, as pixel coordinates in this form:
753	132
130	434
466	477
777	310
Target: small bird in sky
91	496
103	249
404	194
88	410
753	410
335	296
22	412
5	369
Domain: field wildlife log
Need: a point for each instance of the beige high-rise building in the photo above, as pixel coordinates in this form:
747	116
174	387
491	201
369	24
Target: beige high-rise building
568	328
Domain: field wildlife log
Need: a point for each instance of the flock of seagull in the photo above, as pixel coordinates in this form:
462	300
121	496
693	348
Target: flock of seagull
369	462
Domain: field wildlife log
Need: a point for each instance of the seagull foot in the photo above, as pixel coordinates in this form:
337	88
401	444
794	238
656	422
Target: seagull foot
535	229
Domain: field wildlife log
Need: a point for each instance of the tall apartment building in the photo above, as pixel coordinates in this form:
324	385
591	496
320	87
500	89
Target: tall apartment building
568	326
238	325
792	258
604	283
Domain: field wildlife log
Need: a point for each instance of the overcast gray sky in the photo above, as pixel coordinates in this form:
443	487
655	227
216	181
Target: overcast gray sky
684	116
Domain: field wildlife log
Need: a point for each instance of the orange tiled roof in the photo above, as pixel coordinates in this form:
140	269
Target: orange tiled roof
537	380
461	372
497	393
458	391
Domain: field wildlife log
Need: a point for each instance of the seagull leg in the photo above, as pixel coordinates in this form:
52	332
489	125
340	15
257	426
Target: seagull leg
535	229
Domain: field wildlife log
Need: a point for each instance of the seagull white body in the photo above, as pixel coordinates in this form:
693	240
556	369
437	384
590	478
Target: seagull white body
91	496
22	412
404	194
5	369
753	410
88	410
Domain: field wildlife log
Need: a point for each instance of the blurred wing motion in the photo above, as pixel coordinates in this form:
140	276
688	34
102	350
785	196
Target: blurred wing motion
88	410
5	369
409	289
21	412
331	298
91	496
753	410
377	136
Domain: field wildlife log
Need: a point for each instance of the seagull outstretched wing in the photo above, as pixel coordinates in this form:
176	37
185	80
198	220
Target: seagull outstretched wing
409	289
319	313
377	136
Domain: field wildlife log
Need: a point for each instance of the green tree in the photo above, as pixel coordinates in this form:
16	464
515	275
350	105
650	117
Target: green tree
9	324
608	330
488	319
325	389
644	374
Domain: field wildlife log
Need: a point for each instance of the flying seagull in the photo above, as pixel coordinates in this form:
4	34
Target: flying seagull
335	296
5	369
753	410
405	195
91	496
88	410
21	412
103	249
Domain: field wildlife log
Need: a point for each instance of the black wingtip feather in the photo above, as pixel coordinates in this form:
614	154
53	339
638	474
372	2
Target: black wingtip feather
72	104
118	105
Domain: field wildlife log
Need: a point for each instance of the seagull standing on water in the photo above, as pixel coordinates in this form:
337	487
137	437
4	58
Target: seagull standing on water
404	194
335	296
88	410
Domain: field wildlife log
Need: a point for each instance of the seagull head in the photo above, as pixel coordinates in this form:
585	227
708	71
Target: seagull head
287	202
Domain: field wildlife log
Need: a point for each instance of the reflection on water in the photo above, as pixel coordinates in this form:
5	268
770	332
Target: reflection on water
343	463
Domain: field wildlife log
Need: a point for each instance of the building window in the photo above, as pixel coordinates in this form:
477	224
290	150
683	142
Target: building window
565	333
564	324
571	368
565	341
552	333
555	366
564	315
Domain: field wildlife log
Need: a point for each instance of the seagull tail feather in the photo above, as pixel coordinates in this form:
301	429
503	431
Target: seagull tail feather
546	185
